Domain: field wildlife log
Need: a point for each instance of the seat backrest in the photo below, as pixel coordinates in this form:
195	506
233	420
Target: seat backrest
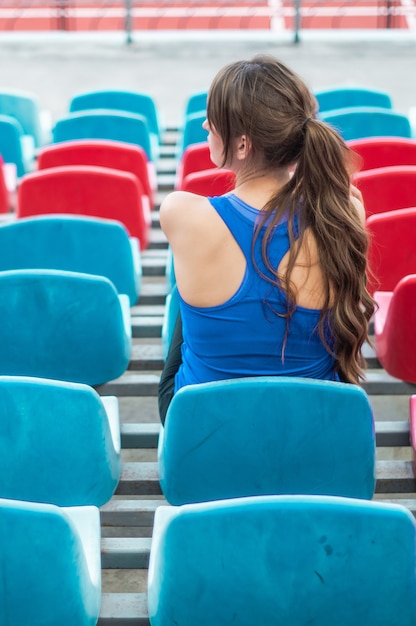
192	131
340	97
195	158
73	243
283	560
121	100
62	325
103	153
357	122
267	435
384	151
392	250
11	134
212	182
86	190
25	108
60	442
387	188
170	315
394	324
50	560
105	124
196	102
5	198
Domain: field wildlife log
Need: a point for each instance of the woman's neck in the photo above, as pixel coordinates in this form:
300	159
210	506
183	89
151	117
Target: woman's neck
258	188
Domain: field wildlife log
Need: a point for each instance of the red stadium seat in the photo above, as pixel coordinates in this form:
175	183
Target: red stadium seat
394	329
387	188
195	158
392	251
5	200
87	190
103	153
212	182
384	151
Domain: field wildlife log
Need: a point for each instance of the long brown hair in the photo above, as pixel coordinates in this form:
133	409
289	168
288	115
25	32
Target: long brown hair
270	104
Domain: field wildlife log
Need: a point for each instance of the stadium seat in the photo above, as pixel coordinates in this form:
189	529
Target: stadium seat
170	315
394	329
267	435
74	243
194	158
25	108
192	132
212	182
340	97
196	102
359	122
63	325
50	564
60	442
392	250
106	124
87	190
412	428
15	146
283	560
120	100
387	188
114	154
384	151
5	196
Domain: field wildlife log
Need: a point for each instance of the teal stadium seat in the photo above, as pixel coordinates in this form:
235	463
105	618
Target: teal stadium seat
50	564
283	560
25	108
14	146
171	307
60	442
102	153
63	325
192	132
88	190
267	435
120	100
196	102
339	97
105	124
359	122
76	244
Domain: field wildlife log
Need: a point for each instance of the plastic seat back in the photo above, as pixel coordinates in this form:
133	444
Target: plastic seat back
267	435
105	124
354	123
341	97
121	100
196	102
11	148
283	560
5	198
170	315
392	250
66	434
394	324
212	182
73	243
63	325
192	131
25	108
387	188
384	151
87	190
50	560
195	158
113	154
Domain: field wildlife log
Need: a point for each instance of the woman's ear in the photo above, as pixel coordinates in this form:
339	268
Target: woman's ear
243	147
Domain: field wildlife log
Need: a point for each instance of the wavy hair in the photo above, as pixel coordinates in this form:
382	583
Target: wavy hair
270	104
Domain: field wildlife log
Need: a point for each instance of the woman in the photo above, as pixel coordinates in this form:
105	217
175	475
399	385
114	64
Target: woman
272	276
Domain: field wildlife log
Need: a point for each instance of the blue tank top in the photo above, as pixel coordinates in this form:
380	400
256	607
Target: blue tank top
244	335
